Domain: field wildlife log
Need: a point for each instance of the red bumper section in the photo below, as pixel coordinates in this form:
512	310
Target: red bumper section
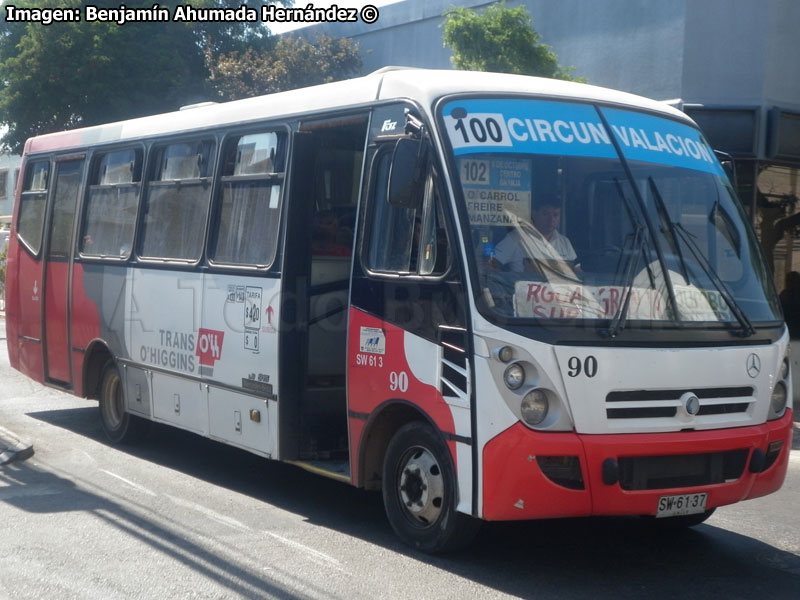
532	475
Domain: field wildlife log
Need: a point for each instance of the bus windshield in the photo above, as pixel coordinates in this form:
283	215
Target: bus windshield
580	212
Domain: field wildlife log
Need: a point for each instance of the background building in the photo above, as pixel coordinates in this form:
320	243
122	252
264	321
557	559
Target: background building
731	64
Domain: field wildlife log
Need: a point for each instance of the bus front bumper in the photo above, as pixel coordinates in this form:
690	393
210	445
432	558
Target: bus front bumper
535	475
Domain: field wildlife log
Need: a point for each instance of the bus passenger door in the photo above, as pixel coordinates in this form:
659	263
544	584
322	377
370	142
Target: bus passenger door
327	161
57	269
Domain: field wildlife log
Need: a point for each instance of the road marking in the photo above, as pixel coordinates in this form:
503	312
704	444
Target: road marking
135	486
219	518
315	555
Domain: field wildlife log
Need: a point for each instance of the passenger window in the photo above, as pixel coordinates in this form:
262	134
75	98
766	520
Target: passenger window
112	204
32	205
404	240
66	190
176	203
248	213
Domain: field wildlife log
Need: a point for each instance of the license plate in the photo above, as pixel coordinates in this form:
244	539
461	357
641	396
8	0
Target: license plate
682	504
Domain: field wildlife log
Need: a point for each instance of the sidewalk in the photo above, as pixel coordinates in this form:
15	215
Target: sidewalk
12	448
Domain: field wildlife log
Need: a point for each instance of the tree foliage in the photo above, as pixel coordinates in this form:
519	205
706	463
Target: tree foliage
499	39
293	62
76	74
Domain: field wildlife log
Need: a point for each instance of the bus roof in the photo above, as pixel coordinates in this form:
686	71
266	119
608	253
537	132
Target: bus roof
424	86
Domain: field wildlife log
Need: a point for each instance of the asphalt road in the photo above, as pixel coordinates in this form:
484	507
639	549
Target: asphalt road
177	516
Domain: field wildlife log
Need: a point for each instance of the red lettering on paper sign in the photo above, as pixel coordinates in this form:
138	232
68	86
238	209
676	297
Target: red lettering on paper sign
209	346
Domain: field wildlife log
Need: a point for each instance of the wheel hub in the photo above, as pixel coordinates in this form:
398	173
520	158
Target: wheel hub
421	486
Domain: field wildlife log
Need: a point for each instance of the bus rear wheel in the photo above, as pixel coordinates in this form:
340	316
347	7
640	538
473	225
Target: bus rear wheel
119	425
419	492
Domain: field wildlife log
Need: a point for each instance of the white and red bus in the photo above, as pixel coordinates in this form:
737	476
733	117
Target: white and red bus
322	277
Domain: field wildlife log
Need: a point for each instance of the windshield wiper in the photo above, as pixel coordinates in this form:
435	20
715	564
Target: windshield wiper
663	214
637	248
679	231
747	326
631	266
618	322
723	223
650	227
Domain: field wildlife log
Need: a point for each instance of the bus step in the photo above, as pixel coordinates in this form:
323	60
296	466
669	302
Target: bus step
334	468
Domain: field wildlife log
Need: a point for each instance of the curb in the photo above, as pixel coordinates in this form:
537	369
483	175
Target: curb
12	448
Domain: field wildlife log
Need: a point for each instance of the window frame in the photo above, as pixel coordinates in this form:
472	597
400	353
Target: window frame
28	172
216	205
383	148
94	165
52	198
153	157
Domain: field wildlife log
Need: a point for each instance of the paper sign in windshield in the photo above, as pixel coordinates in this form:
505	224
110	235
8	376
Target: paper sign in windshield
543	300
497	190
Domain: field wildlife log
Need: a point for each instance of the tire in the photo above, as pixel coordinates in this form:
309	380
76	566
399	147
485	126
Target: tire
679	523
420	494
119	425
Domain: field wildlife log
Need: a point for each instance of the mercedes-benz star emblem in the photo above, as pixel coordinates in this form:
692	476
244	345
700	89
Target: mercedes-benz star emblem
753	365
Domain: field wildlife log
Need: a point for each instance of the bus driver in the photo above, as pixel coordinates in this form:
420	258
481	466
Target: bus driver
525	244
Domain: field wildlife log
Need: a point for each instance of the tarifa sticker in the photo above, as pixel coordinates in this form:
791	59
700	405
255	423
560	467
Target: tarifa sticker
373	340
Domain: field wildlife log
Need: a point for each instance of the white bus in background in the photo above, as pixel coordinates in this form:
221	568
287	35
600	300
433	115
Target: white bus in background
314	277
9	172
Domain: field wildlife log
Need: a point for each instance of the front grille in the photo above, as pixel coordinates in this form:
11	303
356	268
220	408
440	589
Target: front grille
650	404
677	471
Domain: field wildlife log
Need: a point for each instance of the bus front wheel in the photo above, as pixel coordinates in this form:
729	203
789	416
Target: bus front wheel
419	491
119	425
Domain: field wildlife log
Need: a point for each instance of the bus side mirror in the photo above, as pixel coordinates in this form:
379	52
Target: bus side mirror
406	176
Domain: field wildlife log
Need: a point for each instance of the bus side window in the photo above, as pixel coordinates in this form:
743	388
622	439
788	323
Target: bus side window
112	204
32	205
406	240
176	203
248	208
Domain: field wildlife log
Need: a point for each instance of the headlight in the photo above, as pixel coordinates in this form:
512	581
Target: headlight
779	397
514	376
534	407
785	369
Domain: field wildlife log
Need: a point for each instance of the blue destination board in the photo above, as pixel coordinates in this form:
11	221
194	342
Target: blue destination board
573	129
